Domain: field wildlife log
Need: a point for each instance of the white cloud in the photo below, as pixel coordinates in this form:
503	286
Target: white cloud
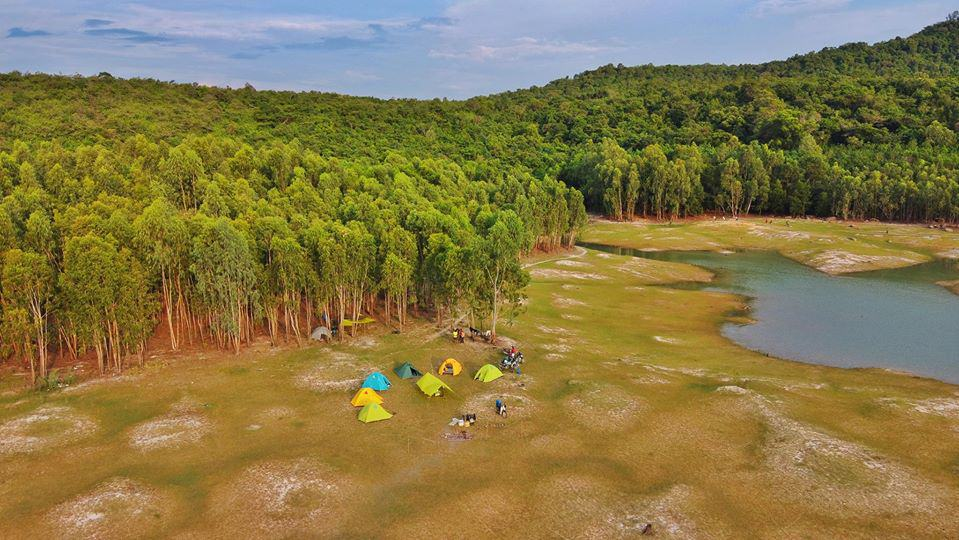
791	7
244	27
519	48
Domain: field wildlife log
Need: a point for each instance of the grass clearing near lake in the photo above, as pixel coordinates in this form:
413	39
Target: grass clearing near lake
830	246
638	412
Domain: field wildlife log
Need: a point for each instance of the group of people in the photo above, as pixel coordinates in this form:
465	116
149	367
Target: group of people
512	359
459	334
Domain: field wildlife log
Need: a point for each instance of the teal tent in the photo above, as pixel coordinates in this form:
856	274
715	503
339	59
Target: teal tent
377	381
407	371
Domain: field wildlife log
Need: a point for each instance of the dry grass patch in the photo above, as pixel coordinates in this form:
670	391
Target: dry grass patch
274	414
182	426
825	472
337	372
118	508
842	262
483	513
572	263
564	275
566	302
517	405
281	499
946	407
554	330
589	508
363	342
767	233
660	272
46	427
601	406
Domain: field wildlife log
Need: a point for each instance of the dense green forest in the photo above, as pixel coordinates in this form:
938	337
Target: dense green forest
215	214
217	241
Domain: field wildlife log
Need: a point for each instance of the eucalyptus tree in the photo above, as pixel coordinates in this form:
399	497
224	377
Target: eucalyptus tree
224	271
27	287
497	260
105	299
163	241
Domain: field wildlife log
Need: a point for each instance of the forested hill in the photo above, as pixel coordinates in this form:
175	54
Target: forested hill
933	52
221	214
636	106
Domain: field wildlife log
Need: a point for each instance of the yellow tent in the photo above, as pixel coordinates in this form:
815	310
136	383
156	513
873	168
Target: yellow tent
450	366
366	396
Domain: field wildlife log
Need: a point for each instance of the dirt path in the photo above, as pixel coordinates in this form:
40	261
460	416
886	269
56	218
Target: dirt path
575	254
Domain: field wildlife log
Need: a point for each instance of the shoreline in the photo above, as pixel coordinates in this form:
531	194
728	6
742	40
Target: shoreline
743	317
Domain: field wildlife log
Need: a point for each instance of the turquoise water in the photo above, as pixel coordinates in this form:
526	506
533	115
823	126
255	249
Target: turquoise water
898	319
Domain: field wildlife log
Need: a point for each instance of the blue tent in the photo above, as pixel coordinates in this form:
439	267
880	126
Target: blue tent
377	381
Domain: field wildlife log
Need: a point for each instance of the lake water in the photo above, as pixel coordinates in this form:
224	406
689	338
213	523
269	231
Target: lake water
898	319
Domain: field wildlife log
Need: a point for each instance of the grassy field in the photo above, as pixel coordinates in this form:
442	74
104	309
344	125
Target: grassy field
631	409
832	247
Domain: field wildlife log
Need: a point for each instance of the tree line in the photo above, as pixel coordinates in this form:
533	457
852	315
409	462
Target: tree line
858	130
735	178
217	241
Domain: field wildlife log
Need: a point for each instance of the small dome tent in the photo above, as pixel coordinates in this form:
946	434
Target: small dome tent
450	366
376	381
407	371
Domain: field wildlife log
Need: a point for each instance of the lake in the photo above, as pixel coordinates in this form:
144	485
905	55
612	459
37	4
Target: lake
898	319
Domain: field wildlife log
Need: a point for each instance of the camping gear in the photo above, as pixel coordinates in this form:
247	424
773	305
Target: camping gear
321	333
373	412
488	373
511	360
376	381
365	396
356	322
450	366
466	420
407	371
431	385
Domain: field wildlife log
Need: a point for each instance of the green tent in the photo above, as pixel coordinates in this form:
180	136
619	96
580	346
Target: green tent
488	373
407	371
373	412
431	385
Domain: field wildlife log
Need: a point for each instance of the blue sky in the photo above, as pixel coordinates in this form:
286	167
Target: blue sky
426	48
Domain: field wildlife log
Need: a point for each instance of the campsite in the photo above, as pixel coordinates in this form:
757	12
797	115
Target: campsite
650	418
479	269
